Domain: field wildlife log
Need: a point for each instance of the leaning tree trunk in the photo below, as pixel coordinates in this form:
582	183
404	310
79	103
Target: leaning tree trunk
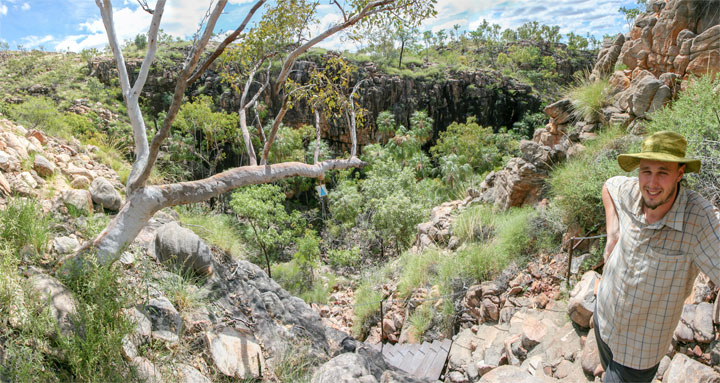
146	201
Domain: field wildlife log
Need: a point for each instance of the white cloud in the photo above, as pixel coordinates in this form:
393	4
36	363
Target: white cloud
25	7
33	41
3	9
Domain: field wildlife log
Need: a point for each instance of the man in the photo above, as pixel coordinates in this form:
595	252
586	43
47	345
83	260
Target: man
659	236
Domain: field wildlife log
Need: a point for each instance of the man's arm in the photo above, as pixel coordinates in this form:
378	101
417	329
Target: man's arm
612	226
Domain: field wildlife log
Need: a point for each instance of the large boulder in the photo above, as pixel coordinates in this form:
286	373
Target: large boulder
590	358
685	370
79	200
582	299
163	316
104	194
43	166
184	249
607	56
235	354
61	300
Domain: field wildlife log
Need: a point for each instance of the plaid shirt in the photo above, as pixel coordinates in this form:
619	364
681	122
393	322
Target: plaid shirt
652	270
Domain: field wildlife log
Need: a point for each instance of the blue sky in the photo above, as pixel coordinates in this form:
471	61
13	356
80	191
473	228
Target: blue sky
61	25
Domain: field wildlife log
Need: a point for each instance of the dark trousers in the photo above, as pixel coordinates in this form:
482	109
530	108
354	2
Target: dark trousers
617	373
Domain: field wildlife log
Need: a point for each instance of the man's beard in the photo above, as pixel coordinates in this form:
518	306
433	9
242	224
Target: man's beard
656	205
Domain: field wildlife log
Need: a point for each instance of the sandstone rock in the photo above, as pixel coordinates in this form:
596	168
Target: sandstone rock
644	94
532	333
684	331
664	364
43	166
685	370
38	135
78	199
19	146
4	186
590	358
146	370
582	299
61	300
564	369
142	325
506	374
163	315
183	248
104	194
560	111
8	163
80	182
187	374
235	354
702	323
129	349
28	179
607	56
65	245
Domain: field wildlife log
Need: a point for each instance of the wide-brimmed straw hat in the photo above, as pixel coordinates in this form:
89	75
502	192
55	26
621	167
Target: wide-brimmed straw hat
661	146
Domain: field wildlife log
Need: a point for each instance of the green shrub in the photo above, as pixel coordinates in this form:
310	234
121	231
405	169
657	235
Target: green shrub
96	356
473	223
345	257
577	184
367	301
696	115
23	223
588	97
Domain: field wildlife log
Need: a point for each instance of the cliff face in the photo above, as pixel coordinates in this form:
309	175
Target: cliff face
493	99
678	36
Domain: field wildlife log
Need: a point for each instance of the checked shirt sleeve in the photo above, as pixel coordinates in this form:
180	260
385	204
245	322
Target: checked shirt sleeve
707	250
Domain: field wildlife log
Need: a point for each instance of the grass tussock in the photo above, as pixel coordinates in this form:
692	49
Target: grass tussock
588	97
576	185
218	229
22	223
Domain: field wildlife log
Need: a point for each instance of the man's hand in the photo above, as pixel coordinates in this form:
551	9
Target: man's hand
612	226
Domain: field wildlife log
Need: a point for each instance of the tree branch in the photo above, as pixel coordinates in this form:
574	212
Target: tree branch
143	166
221	48
290	60
353	119
317	136
273	132
202	190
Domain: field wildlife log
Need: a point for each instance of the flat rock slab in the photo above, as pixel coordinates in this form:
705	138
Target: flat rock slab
235	354
685	370
61	300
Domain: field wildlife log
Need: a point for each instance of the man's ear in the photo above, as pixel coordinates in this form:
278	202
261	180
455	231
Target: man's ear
681	171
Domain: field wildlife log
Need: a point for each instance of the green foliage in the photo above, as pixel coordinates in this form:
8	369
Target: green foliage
367	305
296	364
23	223
696	115
577	184
417	270
268	226
345	257
421	319
200	138
473	223
474	145
588	97
39	113
140	41
96	356
221	230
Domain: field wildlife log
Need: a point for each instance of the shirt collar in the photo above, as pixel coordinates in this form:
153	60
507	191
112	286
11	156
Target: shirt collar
673	218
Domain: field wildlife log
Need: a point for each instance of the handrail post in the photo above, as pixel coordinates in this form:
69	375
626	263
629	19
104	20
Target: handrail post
382	328
569	266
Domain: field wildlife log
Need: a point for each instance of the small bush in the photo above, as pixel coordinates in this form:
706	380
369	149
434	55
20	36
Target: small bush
367	301
474	223
23	223
345	257
588	97
422	318
417	269
577	184
296	364
96	356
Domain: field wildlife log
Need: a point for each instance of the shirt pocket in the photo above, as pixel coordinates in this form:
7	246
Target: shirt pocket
665	269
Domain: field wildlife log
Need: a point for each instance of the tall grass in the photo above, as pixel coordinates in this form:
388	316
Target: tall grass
588	97
216	228
577	184
23	223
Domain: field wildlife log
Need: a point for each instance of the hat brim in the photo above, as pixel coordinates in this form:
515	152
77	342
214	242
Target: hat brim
628	162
